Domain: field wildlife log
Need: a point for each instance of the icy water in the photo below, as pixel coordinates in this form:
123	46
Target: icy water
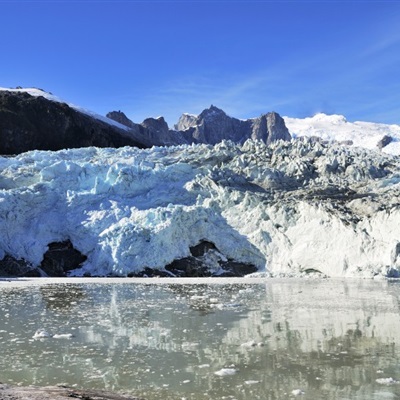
185	339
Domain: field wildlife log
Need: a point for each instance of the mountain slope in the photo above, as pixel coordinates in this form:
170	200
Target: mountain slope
30	122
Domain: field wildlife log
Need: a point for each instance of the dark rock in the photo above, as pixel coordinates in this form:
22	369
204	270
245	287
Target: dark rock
395	255
28	123
11	267
202	248
189	267
157	132
152	131
384	142
57	393
213	125
148	272
237	269
198	264
60	258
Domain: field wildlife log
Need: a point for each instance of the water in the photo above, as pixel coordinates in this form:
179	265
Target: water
275	339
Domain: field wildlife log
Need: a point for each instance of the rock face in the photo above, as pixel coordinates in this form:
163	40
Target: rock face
384	142
29	123
210	127
61	258
205	261
213	125
12	268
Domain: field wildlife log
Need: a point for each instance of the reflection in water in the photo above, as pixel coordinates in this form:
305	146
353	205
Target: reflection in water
331	339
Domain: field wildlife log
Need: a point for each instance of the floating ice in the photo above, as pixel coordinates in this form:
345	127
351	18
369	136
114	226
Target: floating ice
63	336
41	333
297	392
226	372
387	381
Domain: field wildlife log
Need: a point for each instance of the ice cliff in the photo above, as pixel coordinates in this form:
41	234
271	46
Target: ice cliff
290	209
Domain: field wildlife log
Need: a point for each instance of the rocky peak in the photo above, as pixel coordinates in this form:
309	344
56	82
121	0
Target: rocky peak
156	125
269	128
213	125
212	113
119	116
186	121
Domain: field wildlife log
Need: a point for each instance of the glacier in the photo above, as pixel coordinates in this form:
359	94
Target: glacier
294	208
336	128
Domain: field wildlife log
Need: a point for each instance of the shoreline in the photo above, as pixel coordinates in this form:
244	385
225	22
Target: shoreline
57	393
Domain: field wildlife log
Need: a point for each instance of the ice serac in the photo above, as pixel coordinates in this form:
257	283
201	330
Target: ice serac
289	208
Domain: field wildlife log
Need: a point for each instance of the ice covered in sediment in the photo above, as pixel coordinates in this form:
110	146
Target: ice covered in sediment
292	209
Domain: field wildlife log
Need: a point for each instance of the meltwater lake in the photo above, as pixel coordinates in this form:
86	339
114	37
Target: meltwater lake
205	339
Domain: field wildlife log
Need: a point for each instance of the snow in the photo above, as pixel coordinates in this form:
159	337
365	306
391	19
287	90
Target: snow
337	128
39	92
127	209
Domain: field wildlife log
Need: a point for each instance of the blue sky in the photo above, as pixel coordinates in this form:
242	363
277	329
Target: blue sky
151	58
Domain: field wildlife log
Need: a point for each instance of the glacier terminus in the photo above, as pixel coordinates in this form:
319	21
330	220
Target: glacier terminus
289	208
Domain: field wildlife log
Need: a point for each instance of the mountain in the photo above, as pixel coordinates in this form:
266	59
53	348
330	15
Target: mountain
152	131
335	128
211	126
32	121
294	208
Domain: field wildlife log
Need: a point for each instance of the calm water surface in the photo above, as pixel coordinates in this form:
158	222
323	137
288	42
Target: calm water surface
326	339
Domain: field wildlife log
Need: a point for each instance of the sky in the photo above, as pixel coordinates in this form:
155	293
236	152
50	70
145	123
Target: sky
164	58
